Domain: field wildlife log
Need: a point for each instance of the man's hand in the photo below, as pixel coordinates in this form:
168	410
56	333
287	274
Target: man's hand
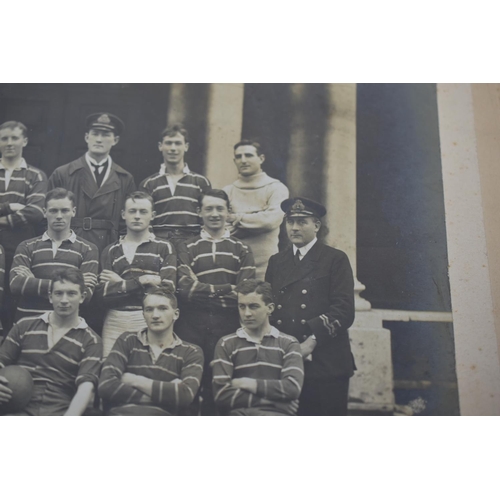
245	383
307	347
24	271
149	279
109	276
15	207
90	280
5	391
290	407
129	378
145	399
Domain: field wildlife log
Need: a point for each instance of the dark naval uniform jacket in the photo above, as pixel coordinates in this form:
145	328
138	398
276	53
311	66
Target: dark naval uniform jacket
316	297
98	210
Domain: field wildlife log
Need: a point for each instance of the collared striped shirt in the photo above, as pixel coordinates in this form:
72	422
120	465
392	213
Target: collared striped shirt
28	186
209	268
177	210
276	363
133	354
2	277
36	255
155	257
74	359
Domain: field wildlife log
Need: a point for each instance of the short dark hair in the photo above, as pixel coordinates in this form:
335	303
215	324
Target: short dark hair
139	195
13	124
161	292
216	193
171	130
258	286
60	194
72	275
249	142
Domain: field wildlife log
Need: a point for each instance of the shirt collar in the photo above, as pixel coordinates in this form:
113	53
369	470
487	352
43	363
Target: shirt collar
142	335
151	237
23	164
163	169
303	250
82	324
207	236
71	237
91	160
244	335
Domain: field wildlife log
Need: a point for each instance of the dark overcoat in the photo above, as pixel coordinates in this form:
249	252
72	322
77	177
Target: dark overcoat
98	204
316	296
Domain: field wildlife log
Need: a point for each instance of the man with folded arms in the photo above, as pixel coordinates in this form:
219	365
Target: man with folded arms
152	372
258	370
62	354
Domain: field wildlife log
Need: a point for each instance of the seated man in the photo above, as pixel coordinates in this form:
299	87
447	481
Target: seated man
37	258
258	370
130	267
60	351
152	372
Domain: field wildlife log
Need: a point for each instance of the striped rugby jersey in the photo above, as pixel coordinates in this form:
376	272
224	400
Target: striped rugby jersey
36	255
74	359
208	269
2	277
156	257
132	353
276	363
28	186
176	210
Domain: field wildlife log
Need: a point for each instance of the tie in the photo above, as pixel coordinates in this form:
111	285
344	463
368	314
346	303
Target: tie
99	176
296	258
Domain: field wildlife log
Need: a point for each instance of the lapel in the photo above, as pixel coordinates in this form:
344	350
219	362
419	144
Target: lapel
85	177
111	184
292	273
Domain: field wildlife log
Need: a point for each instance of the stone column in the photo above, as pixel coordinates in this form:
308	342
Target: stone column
371	388
225	121
177	104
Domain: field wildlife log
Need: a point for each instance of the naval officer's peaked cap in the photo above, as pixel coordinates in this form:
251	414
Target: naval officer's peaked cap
105	121
302	207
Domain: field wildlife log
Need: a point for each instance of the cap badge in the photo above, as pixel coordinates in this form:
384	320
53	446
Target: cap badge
298	206
104	119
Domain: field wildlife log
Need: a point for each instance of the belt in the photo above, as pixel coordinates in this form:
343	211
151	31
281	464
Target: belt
88	223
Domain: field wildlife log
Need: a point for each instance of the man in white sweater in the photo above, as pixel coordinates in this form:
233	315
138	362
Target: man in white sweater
255	201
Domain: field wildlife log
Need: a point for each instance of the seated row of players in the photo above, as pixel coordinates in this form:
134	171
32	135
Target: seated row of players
257	371
312	283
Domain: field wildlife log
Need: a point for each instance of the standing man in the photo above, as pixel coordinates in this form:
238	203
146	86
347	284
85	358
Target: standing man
36	259
175	189
258	370
132	266
62	354
313	288
255	200
99	184
210	267
22	193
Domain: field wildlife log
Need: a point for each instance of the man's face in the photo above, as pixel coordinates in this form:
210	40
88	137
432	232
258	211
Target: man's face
248	161
214	212
58	214
173	148
302	230
100	142
137	214
254	312
66	298
159	313
12	142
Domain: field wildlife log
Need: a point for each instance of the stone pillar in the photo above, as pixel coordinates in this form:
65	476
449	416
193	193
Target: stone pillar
177	104
225	121
371	388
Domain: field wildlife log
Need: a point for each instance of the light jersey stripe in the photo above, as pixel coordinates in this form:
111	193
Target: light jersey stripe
279	374
183	204
132	353
36	255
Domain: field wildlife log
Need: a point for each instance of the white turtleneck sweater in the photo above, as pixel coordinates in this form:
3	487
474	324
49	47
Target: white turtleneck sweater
256	201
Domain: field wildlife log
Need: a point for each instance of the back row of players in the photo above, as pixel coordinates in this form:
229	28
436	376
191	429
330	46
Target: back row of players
91	201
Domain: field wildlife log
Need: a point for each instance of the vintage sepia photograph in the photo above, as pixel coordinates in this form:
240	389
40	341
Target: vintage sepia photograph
224	249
